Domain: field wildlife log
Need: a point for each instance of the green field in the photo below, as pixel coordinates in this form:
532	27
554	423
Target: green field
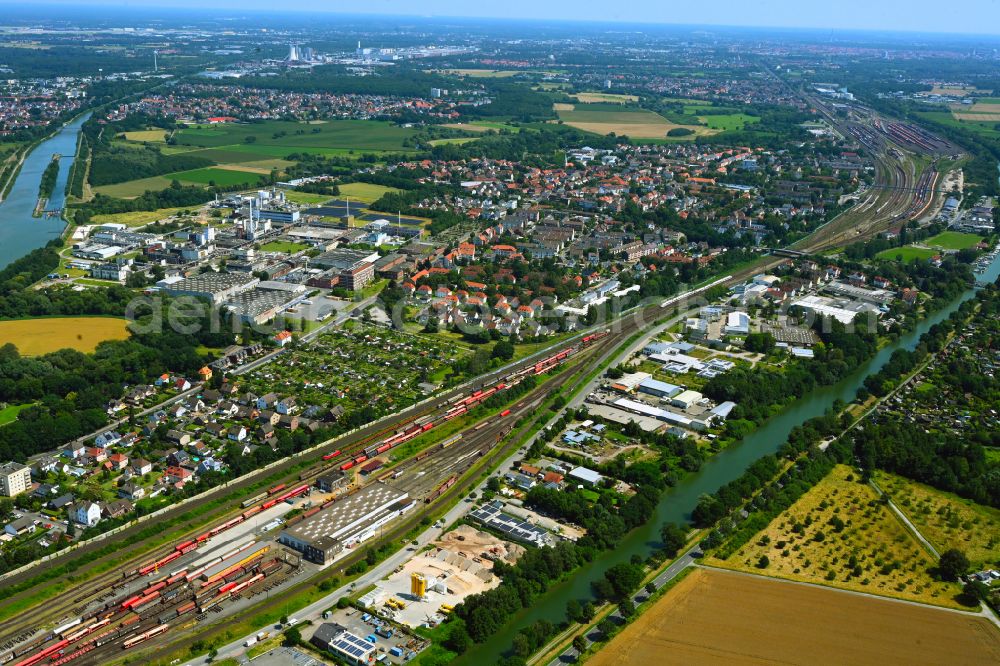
953	240
366	192
454	140
946	240
306	197
358	135
634	122
729	121
136	218
983	128
221	177
907	254
284	246
134	188
9	413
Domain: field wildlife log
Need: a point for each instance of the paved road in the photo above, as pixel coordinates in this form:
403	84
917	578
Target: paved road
570	654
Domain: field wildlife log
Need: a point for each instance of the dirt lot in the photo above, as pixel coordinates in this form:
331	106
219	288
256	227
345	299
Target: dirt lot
721	617
468	541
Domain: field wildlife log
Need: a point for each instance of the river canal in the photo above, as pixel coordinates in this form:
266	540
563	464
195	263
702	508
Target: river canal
20	231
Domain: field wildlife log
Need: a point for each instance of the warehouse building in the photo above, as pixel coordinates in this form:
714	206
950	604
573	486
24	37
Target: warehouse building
216	287
658	389
346	522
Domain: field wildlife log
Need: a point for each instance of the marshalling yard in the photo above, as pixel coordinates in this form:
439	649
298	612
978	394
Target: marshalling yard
284	535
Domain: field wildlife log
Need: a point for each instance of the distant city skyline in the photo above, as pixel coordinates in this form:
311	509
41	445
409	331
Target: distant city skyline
971	16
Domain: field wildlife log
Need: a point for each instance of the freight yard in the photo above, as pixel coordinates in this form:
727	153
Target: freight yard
224	568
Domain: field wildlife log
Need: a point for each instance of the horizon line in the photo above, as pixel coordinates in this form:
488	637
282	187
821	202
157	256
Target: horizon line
41	4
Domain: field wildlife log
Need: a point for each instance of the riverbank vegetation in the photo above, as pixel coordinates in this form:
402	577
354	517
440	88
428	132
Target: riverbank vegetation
48	181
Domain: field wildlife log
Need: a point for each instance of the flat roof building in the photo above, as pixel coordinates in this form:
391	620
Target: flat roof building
655	387
686	400
216	287
586	476
353	649
342	259
346	522
15	479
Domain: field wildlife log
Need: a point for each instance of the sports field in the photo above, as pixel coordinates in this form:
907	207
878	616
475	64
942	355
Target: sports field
953	240
34	337
459	140
147	136
608	118
481	126
717	617
838	534
906	254
729	121
219	176
482	73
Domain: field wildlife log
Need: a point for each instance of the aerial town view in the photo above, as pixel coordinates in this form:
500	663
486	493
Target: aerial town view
530	334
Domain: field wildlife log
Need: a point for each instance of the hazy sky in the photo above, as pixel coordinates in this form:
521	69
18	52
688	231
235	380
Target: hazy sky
964	16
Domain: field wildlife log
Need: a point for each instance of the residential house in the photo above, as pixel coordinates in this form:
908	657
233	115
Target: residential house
86	513
131	491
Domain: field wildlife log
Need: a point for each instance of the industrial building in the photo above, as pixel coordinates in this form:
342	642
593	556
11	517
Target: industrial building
15	479
492	515
259	305
342	259
216	287
658	389
842	310
346	522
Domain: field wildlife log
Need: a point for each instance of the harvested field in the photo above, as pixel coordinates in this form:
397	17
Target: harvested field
34	337
956	90
978	117
839	534
721	617
604	118
596	97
